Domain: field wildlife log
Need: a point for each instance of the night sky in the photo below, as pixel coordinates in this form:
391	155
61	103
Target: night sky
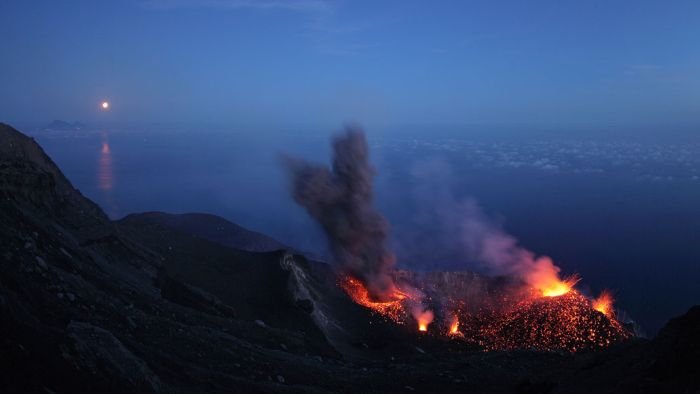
392	62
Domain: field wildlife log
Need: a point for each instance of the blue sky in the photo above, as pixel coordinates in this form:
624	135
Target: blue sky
375	62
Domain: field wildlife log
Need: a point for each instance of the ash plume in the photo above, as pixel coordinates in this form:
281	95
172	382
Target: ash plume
340	199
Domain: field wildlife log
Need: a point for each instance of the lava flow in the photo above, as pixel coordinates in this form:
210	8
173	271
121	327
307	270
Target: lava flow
392	309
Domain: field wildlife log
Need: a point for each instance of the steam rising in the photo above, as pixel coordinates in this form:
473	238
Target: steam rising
459	231
340	199
500	252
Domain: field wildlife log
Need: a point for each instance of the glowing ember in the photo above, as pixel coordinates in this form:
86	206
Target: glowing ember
567	322
604	303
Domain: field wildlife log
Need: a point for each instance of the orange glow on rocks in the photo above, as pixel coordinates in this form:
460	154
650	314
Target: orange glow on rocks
553	318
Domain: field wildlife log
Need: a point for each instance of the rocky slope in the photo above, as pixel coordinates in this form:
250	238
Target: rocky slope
88	305
85	308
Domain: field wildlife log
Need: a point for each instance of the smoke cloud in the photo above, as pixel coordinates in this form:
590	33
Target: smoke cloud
340	199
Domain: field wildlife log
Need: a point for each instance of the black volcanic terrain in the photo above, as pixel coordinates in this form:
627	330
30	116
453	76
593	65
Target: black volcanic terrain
193	303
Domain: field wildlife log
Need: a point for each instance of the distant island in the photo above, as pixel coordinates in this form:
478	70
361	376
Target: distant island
62	125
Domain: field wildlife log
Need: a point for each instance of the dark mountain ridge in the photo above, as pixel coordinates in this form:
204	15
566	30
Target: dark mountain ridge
210	227
156	304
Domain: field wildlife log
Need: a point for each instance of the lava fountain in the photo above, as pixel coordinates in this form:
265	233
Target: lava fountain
424	319
558	287
454	325
604	303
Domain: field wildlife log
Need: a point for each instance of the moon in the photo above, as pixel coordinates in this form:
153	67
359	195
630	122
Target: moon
105	105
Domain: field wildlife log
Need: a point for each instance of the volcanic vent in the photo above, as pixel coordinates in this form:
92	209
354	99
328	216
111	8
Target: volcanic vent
524	305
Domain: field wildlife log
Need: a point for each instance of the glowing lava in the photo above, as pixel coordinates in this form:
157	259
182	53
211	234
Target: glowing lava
604	303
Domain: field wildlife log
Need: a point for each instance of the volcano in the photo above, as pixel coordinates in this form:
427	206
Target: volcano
533	309
152	303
